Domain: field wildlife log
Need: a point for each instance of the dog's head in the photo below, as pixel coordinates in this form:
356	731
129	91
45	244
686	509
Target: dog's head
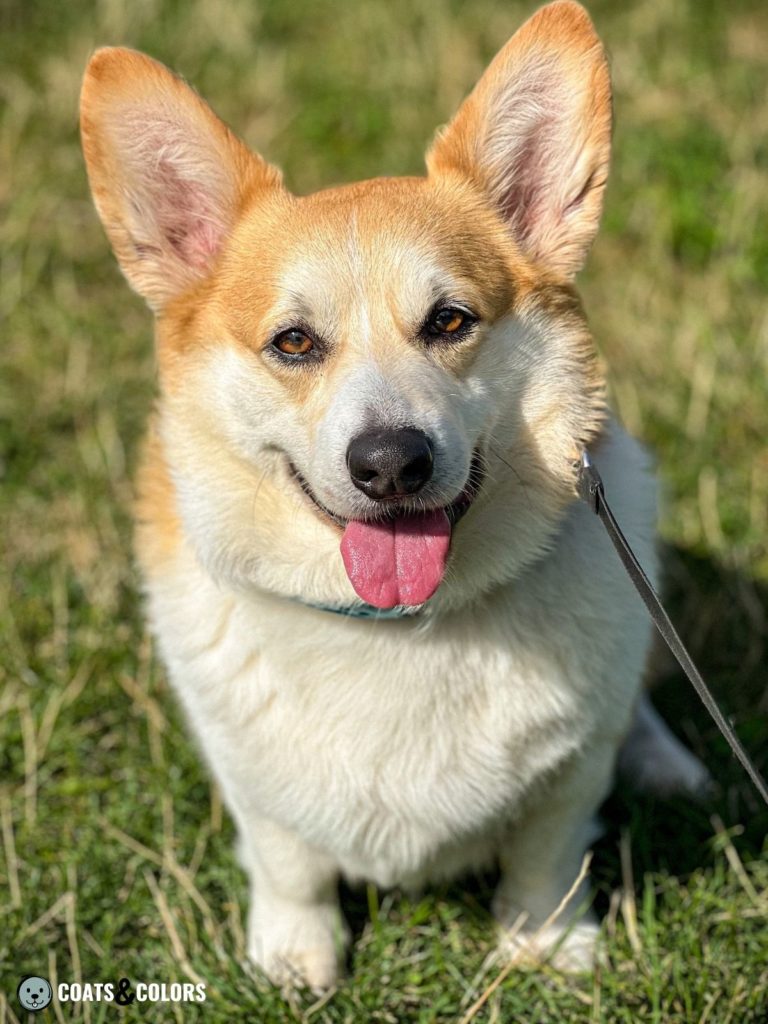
379	388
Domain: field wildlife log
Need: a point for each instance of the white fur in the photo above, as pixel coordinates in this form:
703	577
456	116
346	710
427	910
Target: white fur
402	750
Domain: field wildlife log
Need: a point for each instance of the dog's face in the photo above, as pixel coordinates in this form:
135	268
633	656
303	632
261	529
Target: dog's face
380	389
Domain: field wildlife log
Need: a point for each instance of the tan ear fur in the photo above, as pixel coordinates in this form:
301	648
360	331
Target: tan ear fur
535	134
169	179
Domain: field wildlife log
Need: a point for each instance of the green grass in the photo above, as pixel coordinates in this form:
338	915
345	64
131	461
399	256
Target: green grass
115	856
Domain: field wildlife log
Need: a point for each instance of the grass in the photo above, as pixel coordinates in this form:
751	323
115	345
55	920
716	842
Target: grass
116	858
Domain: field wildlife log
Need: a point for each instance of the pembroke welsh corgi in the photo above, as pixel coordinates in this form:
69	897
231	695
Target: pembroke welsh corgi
405	647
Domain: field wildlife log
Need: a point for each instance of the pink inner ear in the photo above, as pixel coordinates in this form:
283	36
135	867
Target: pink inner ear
534	150
177	192
523	202
185	217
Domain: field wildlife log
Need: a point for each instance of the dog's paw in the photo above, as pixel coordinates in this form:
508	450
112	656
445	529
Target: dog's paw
571	948
304	949
316	968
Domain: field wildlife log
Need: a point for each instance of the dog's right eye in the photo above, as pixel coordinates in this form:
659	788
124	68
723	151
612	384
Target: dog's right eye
448	323
293	343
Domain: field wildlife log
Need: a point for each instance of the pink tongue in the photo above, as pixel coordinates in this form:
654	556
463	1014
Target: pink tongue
400	561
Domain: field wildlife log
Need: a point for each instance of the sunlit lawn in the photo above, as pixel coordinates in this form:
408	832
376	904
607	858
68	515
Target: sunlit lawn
116	857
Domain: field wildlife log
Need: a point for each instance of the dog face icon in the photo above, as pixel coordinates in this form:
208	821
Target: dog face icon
35	993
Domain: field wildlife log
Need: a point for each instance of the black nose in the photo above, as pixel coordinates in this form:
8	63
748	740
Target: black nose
390	463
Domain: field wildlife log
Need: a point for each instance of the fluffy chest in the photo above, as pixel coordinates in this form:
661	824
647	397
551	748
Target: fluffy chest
382	742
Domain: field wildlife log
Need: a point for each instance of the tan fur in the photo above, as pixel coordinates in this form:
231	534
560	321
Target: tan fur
120	89
560	48
158	527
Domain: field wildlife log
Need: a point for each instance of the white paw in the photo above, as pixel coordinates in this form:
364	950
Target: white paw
316	968
570	948
303	948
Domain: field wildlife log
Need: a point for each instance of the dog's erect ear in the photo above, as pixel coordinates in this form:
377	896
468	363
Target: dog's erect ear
168	177
535	134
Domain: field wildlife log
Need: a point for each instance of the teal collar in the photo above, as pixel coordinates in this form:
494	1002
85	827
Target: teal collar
365	611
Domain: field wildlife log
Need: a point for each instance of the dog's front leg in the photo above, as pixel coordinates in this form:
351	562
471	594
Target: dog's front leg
541	857
295	930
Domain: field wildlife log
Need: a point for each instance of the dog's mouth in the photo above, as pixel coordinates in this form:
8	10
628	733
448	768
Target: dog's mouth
399	559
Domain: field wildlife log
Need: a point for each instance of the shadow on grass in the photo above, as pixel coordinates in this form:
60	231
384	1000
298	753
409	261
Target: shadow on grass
722	617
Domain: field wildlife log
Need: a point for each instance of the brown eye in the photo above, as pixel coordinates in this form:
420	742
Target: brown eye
449	320
293	343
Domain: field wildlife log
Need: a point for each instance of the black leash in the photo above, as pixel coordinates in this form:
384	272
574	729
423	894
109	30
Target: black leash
591	490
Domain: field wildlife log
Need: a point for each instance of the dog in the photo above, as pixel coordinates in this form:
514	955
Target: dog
405	648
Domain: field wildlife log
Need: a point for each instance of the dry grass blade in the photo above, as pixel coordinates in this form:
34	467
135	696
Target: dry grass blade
479	1003
53	911
182	875
760	900
131	843
28	734
58	700
53	977
628	904
177	946
6	1011
9	849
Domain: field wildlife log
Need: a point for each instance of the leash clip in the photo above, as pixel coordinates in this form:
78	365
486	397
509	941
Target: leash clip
589	483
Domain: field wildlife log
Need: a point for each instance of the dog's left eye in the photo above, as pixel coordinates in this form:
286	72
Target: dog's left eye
448	320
